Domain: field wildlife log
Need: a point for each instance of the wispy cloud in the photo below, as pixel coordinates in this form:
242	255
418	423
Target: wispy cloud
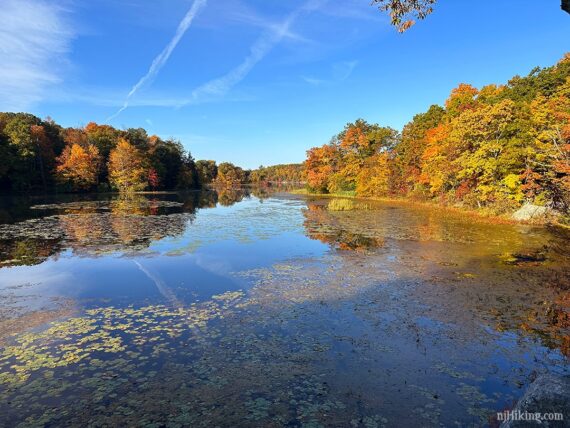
339	73
245	15
275	34
162	58
213	90
34	42
354	10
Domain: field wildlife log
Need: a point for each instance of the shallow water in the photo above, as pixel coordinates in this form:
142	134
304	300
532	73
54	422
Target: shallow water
206	309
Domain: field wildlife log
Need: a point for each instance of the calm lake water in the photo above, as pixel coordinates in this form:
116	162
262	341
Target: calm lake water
236	309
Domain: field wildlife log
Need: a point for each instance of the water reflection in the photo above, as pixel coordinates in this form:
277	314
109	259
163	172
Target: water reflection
113	224
211	309
513	277
321	225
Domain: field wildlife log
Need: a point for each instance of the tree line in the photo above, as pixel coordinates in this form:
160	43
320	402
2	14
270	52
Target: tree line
292	173
494	147
40	155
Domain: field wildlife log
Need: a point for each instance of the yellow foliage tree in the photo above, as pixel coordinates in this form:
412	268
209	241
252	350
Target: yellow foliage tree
374	178
126	168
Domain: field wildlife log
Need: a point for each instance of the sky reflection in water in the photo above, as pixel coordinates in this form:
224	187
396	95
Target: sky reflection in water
206	309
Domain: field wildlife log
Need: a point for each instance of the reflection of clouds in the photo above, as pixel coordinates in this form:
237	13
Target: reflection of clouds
212	264
45	277
163	289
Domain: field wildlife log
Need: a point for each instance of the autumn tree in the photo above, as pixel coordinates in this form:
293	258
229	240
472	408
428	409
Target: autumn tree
45	155
168	159
137	137
492	148
188	174
153	179
207	171
127	171
78	166
403	13
462	98
33	158
374	178
321	164
104	137
258	175
229	175
31	148
282	173
413	145
546	175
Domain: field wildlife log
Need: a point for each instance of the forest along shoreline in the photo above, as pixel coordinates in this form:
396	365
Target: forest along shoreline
500	151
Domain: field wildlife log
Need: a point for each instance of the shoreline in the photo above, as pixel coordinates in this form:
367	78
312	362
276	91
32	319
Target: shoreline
472	213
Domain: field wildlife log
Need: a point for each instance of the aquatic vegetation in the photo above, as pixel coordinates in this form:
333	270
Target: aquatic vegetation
129	226
103	330
457	374
99	348
402	305
346	205
136	204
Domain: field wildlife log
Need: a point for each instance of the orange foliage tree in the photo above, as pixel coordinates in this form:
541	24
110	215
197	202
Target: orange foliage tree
78	166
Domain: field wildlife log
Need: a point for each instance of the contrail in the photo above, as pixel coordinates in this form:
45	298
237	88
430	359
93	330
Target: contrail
166	292
258	51
162	58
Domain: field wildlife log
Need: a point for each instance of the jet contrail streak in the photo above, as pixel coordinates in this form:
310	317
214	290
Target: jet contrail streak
162	58
263	45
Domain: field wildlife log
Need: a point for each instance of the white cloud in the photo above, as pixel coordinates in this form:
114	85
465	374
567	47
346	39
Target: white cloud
34	42
314	81
163	57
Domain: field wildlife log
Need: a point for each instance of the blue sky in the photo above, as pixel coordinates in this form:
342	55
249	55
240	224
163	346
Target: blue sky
257	81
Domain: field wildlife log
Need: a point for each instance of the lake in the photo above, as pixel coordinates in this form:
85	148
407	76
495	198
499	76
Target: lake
255	309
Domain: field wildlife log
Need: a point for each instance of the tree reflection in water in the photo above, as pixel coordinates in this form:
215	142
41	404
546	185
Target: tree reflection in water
117	224
445	317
